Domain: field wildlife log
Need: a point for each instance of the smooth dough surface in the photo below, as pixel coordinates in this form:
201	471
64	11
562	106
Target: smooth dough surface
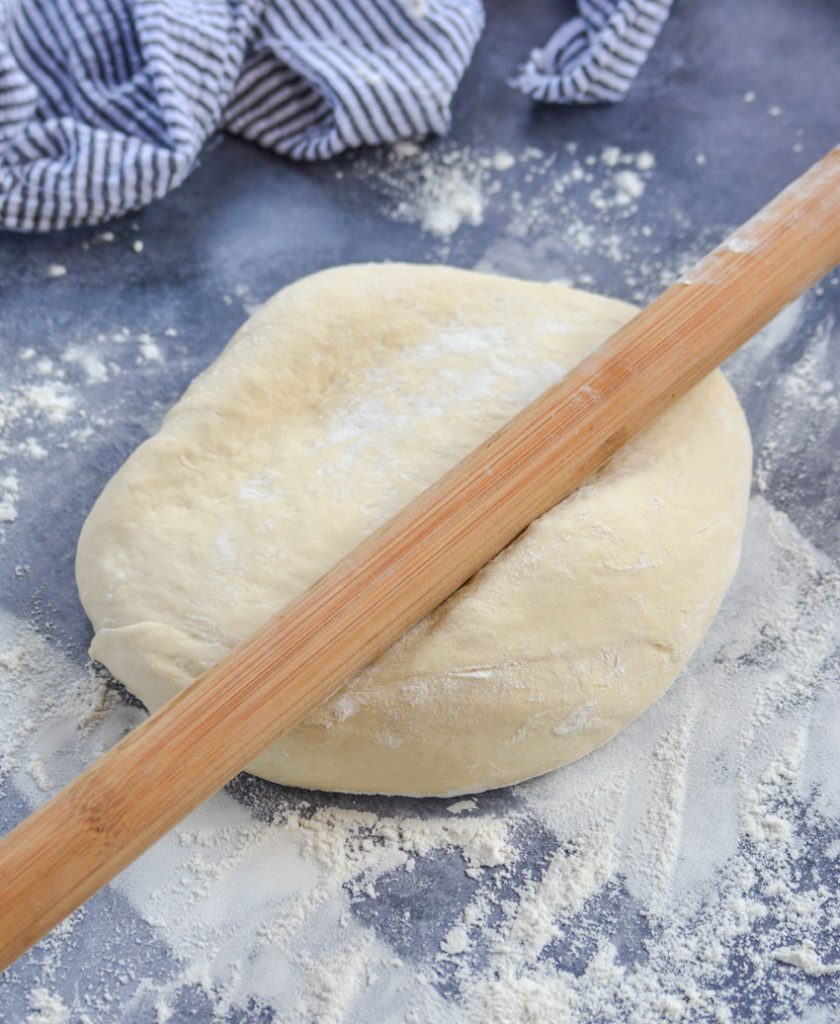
339	401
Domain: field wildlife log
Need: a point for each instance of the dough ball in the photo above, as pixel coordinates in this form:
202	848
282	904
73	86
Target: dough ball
345	396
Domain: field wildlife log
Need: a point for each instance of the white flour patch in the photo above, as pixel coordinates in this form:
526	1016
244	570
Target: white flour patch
447	199
54	399
149	349
46	1009
280	908
698	847
51	404
9	491
806	959
444	188
89	360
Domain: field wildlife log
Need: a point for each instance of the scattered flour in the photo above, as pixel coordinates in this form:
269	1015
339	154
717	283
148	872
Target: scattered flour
447	201
9	491
645	161
460	806
564	204
313	905
735	243
443	188
89	360
46	1009
502	160
662	878
149	349
806	959
54	399
630	186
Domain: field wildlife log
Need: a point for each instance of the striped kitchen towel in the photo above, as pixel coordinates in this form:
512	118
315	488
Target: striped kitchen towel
595	57
105	105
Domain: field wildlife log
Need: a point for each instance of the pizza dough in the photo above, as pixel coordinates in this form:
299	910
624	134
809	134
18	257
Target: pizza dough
339	401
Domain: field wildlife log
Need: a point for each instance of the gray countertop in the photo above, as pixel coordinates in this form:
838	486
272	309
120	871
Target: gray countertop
736	100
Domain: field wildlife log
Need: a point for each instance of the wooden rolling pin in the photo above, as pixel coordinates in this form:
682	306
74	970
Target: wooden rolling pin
81	838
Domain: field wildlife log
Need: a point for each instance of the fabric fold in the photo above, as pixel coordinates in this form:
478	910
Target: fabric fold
105	105
594	58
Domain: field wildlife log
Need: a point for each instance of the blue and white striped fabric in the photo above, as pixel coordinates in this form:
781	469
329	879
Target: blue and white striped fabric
595	57
105	105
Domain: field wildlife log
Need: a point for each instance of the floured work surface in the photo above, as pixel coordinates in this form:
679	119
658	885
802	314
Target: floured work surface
686	871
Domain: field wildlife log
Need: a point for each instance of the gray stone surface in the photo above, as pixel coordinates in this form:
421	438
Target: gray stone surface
246	223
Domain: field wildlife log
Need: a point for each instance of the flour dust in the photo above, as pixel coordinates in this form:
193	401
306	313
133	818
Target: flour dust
687	871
